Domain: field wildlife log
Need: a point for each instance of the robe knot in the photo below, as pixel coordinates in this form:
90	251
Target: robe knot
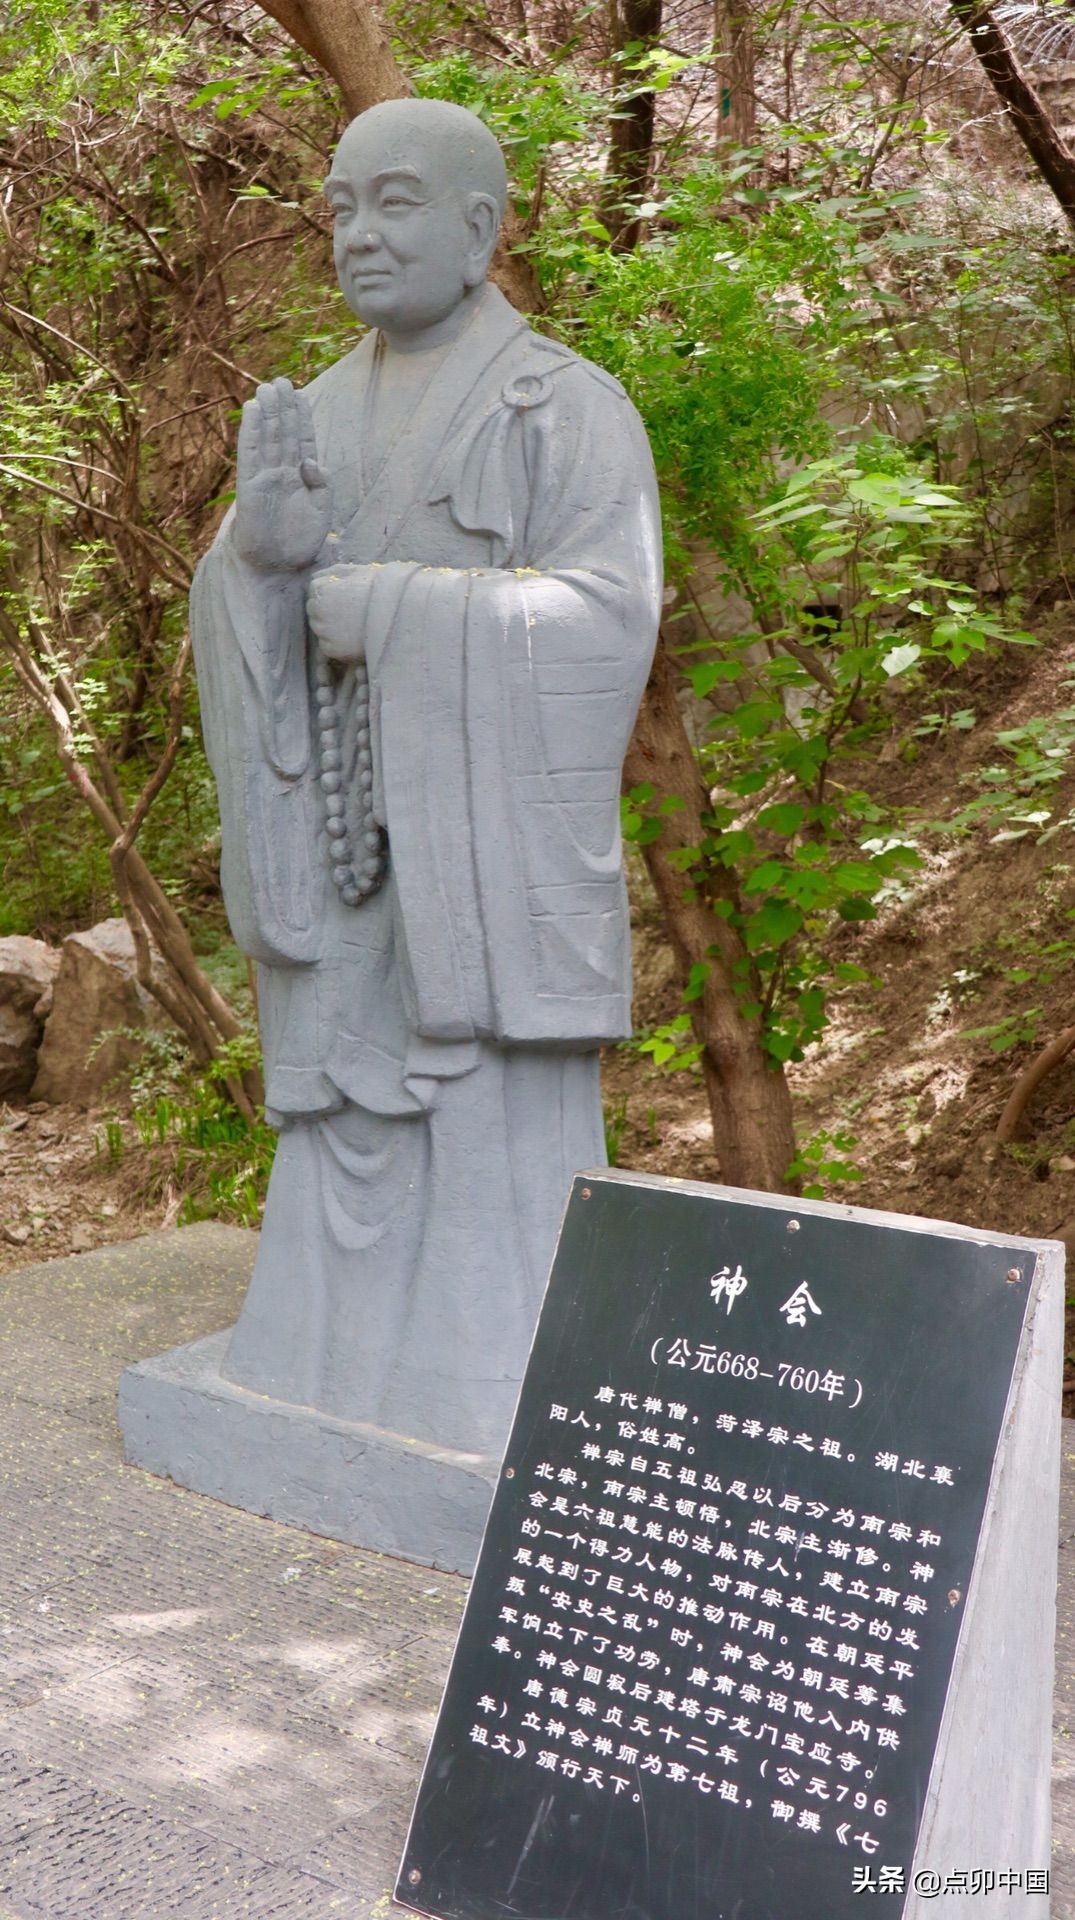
528	391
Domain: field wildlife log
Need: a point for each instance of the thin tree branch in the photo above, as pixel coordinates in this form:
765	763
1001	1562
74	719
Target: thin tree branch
145	536
35	320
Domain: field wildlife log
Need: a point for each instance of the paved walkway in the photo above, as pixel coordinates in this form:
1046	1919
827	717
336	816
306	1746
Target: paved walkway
204	1714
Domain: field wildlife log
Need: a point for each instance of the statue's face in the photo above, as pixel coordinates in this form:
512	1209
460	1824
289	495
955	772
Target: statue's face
408	242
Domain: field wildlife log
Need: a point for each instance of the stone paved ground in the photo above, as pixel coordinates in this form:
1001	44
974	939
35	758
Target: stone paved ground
204	1714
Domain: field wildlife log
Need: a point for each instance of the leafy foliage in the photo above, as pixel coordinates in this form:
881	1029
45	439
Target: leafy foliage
855	364
731	325
200	1145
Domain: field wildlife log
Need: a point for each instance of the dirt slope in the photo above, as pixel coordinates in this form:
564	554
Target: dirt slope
898	1069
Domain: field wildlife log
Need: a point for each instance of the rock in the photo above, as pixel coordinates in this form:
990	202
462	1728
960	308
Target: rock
18	1236
27	971
98	1008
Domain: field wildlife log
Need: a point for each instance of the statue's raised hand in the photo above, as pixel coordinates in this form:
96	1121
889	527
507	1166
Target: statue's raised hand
283	503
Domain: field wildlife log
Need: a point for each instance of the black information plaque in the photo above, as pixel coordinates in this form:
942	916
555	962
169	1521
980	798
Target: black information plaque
703	1665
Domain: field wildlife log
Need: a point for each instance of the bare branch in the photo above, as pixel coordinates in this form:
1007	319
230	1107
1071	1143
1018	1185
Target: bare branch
146	537
35	320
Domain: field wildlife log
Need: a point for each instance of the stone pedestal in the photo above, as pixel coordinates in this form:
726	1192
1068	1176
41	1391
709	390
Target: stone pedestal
346	1480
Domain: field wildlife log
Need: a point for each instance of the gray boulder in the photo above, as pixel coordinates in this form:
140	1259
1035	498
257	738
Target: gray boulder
98	1010
27	971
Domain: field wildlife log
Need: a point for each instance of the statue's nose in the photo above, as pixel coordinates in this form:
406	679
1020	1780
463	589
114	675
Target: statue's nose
362	239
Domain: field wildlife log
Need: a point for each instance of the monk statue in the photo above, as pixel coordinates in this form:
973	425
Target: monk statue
421	639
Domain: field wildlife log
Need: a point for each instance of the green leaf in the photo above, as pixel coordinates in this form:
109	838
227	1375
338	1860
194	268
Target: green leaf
876	490
753	717
856	875
783	1046
785	817
768	875
901	658
782	517
712	673
774	923
696	980
213	90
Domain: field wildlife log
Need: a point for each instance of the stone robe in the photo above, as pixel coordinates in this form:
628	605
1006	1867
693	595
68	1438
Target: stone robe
431	1054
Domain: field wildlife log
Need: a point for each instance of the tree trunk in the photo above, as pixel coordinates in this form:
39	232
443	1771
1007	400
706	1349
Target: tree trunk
1027	112
347	39
733	35
634	23
749	1099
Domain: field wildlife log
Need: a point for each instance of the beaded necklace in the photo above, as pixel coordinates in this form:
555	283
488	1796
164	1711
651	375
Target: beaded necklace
359	849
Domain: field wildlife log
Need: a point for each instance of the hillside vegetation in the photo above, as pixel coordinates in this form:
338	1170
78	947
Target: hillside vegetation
831	259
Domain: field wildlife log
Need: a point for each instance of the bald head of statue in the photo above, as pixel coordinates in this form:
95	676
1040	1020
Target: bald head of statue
418	190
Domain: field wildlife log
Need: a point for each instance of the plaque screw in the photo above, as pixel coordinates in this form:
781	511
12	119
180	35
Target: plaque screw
586	1193
413	1877
509	1473
793	1226
1013	1275
954	1596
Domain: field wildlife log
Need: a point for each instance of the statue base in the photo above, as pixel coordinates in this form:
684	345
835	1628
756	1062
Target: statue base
182	1419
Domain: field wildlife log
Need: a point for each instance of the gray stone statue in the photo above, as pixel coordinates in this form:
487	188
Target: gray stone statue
421	639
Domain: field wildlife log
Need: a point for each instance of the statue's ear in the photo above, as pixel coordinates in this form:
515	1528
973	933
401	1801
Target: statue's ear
483	221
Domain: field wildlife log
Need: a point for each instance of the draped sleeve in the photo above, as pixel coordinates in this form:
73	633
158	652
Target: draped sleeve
537	666
249	634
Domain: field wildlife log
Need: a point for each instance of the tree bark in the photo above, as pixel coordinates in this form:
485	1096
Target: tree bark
347	39
1027	112
634	23
749	1098
733	35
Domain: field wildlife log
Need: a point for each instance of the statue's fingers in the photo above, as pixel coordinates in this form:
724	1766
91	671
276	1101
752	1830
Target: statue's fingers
308	462
269	408
288	415
319	618
250	439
